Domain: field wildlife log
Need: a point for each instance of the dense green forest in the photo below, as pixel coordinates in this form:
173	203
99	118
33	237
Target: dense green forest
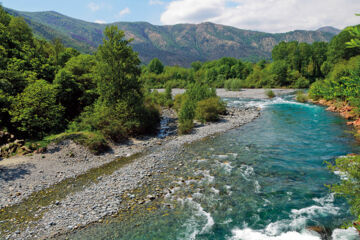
295	65
46	88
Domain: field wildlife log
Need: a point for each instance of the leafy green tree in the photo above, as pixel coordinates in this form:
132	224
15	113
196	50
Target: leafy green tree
120	110
156	66
20	31
118	69
35	112
196	65
4	17
338	49
280	70
69	93
355	32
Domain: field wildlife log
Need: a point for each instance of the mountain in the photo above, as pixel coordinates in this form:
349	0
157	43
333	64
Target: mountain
178	44
329	29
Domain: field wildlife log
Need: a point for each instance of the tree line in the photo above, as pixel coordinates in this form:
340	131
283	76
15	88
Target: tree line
46	88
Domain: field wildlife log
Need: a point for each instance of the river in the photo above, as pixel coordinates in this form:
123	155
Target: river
265	180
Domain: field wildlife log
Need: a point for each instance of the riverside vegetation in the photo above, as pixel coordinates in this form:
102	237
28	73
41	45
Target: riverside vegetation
48	89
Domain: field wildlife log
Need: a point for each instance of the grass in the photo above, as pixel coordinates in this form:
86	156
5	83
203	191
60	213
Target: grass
270	93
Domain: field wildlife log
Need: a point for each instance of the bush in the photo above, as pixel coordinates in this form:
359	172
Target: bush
208	110
120	121
234	84
94	141
301	97
187	110
270	93
178	99
186	126
161	99
35	112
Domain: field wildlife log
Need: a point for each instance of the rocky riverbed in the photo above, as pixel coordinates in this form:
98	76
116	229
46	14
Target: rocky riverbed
88	201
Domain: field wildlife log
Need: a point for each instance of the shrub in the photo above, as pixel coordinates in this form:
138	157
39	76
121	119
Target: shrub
234	84
301	97
118	122
186	126
187	110
208	110
197	92
270	93
94	141
159	99
178	99
35	112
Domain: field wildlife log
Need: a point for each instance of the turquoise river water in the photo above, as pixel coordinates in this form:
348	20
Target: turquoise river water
265	180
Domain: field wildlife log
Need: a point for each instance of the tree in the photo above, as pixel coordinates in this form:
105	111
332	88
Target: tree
4	17
118	69
69	93
156	66
35	112
119	110
355	32
20	31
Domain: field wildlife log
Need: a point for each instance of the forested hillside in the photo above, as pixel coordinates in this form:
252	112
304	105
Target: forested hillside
174	45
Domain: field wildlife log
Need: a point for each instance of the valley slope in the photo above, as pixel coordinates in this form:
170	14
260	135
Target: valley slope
178	44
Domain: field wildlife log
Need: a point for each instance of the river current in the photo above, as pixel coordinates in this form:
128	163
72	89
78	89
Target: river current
265	180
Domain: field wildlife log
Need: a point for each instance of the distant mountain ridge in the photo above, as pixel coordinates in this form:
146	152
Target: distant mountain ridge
178	44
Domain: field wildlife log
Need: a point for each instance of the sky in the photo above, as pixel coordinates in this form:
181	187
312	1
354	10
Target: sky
262	15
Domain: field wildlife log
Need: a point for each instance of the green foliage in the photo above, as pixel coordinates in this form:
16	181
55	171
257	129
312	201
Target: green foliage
197	92
35	112
118	69
349	185
301	97
342	82
187	110
208	110
338	49
94	141
186	127
156	66
234	84
178	100
269	93
161	99
120	111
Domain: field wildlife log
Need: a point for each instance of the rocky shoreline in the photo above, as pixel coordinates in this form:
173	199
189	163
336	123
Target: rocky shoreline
104	197
345	111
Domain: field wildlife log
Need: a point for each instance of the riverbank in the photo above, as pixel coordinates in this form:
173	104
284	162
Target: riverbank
104	197
258	93
345	111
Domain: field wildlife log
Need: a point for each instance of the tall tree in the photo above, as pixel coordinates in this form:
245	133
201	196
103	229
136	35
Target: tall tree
156	66
118	69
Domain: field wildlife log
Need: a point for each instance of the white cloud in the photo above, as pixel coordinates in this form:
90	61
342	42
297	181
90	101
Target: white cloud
123	12
156	2
94	6
265	15
100	21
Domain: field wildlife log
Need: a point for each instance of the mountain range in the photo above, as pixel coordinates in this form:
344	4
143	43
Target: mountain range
178	44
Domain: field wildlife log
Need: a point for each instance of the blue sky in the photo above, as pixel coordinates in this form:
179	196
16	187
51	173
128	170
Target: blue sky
104	10
262	15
